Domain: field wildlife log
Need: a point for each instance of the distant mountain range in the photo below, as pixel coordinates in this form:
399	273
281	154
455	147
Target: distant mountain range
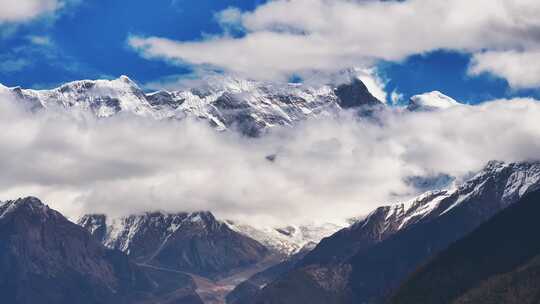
250	107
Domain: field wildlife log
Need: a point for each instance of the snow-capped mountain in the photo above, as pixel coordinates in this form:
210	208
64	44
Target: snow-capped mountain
250	106
287	240
431	101
516	179
104	98
495	187
393	240
193	242
496	263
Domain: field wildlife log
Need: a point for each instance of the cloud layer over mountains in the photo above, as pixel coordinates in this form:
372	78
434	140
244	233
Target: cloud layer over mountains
325	169
285	37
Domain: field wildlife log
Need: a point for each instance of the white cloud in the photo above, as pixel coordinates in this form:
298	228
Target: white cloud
24	10
297	36
521	69
9	65
325	169
230	19
40	40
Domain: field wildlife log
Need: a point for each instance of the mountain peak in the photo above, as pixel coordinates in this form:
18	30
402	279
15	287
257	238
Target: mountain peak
29	204
495	165
431	101
355	94
196	242
126	79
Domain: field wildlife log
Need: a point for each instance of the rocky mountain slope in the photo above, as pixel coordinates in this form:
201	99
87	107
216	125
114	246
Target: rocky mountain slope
497	263
192	242
44	258
365	262
249	106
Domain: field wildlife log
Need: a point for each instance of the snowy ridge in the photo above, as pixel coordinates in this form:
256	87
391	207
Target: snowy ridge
127	233
103	98
287	240
431	101
491	190
226	102
499	181
396	217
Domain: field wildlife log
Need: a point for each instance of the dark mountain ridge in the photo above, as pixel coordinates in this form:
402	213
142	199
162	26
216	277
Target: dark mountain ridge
45	258
497	263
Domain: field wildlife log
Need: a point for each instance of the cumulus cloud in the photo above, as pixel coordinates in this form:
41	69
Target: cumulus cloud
285	37
229	19
521	69
24	10
325	169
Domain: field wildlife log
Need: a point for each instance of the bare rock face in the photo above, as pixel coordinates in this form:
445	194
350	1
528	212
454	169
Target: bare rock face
192	242
355	94
44	258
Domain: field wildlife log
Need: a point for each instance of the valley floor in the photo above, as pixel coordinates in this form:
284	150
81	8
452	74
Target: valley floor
215	291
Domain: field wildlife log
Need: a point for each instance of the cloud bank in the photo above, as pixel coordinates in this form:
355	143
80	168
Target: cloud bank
285	37
323	170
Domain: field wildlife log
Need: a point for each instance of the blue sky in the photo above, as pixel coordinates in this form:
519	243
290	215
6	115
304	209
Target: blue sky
89	40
